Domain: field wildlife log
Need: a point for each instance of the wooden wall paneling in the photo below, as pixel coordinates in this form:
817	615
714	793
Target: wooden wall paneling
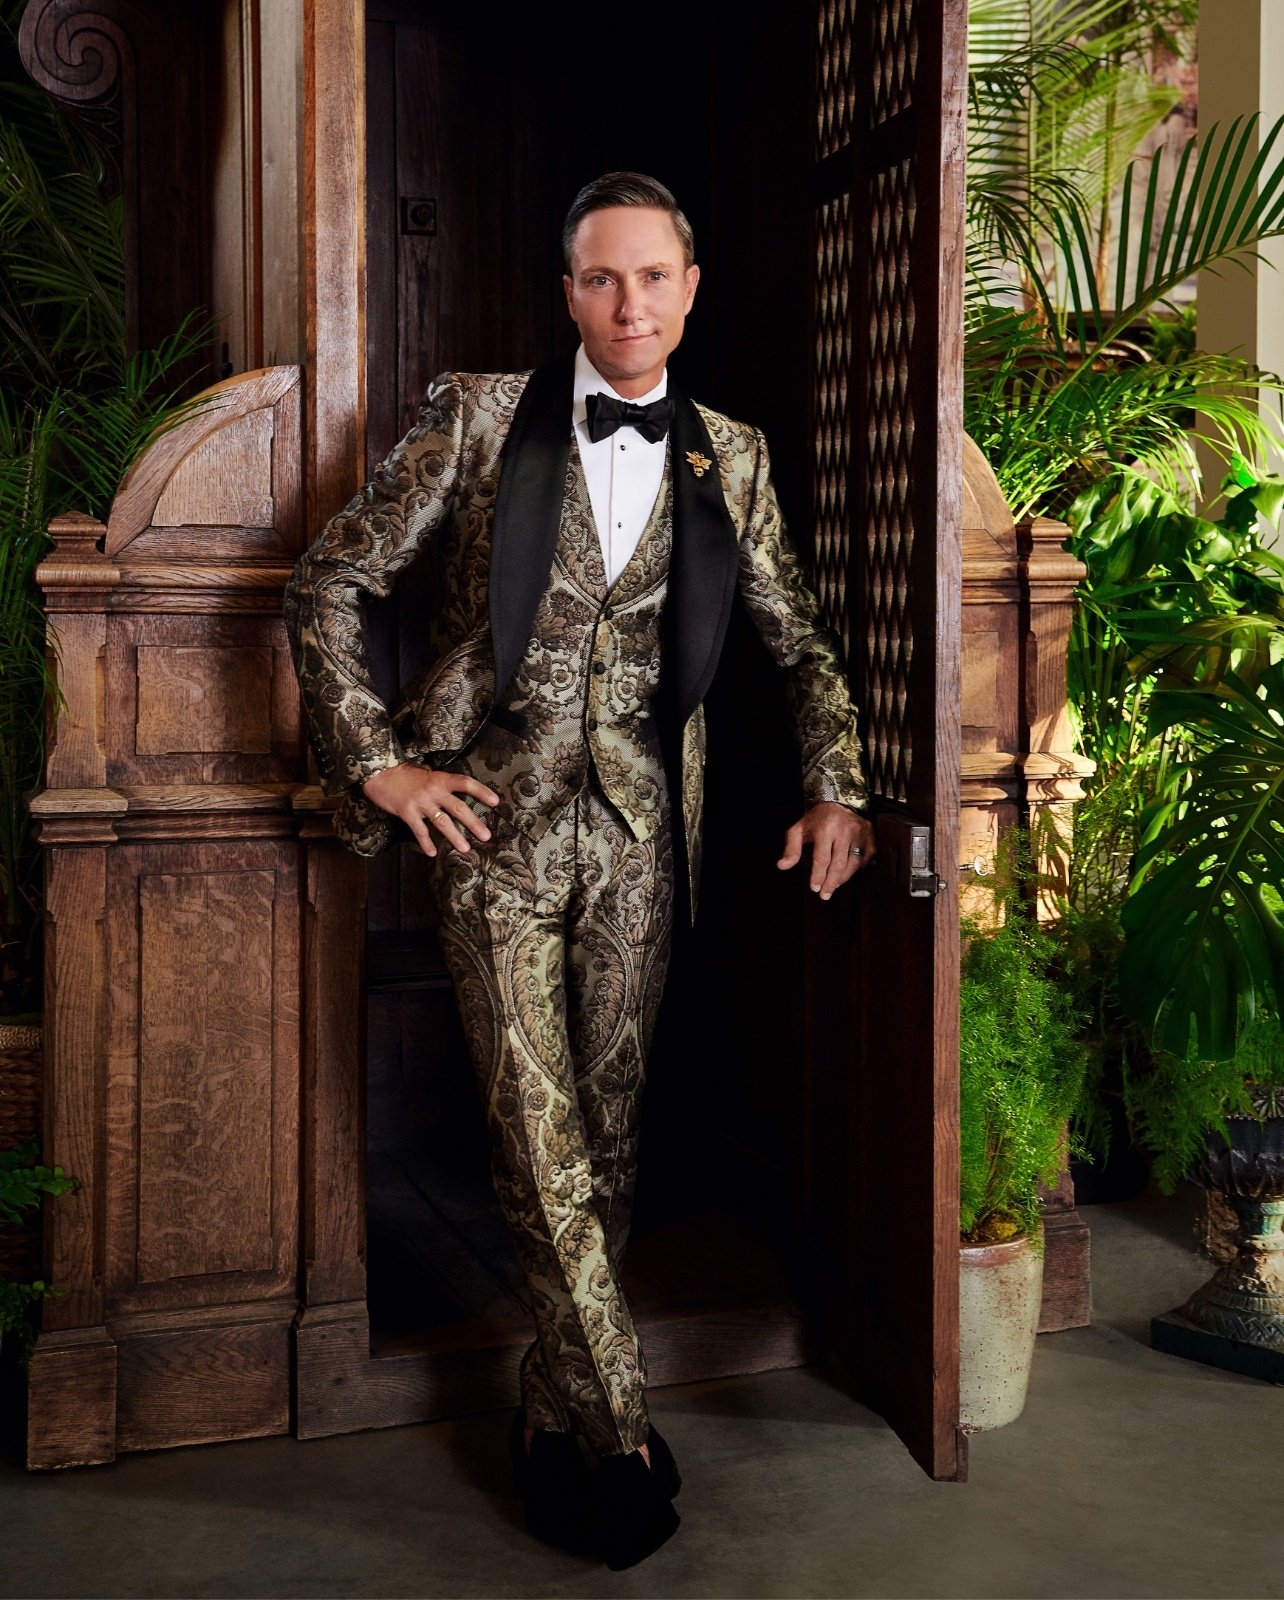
280	81
233	284
173	969
201	1109
71	1395
384	334
139	78
223	484
383	244
201	698
334	176
76	746
333	1021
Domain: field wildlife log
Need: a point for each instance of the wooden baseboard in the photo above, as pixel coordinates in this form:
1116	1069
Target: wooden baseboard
203	1377
342	1386
71	1399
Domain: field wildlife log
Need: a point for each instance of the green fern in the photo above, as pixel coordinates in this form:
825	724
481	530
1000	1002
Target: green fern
75	409
1022	1061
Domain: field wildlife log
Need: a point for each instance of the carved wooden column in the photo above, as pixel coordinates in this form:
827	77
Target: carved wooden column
175	793
991	795
1019	765
1052	771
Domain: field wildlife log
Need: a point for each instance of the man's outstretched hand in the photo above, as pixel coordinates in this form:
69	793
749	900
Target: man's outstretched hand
423	797
834	833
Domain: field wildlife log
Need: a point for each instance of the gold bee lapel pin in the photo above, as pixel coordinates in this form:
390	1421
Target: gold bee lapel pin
699	464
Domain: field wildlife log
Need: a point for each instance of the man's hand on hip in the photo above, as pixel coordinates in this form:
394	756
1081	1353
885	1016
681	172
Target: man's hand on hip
421	796
842	842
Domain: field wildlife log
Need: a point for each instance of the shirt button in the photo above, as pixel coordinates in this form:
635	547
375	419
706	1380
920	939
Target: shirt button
592	724
608	611
599	666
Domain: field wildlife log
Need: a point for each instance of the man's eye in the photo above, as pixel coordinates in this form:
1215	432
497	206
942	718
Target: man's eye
657	274
598	278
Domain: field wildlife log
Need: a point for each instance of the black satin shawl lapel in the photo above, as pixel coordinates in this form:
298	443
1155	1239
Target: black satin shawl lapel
702	565
528	510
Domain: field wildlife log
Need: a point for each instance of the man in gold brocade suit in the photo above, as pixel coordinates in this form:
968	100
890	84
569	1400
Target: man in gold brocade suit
590	528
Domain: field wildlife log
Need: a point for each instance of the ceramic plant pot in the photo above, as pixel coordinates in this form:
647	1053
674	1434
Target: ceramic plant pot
1000	1287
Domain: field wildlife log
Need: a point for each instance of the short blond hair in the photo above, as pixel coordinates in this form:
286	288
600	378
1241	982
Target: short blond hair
625	189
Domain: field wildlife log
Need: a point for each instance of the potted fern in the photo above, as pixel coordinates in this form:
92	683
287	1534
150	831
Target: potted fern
1021	1070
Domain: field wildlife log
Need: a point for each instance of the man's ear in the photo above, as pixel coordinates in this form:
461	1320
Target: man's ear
692	276
568	287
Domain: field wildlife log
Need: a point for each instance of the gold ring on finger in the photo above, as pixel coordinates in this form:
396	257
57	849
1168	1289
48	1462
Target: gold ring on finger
856	850
440	811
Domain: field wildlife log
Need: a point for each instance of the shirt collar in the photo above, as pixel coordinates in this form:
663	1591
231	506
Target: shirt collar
588	380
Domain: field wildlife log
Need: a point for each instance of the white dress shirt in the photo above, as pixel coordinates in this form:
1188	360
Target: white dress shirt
623	471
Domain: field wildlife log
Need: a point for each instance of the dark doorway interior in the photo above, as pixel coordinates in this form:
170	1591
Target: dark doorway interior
478	138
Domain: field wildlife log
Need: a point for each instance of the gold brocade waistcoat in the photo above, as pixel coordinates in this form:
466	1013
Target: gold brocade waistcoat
582	692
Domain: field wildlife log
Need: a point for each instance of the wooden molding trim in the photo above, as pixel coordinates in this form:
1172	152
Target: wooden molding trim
84	57
155	476
334	251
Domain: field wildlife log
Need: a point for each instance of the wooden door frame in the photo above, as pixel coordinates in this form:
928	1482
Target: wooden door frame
339	1385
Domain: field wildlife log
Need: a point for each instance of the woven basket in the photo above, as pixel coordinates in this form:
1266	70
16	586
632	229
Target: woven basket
20	1107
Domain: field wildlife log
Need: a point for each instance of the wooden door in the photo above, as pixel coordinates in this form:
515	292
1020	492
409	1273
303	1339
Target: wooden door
886	399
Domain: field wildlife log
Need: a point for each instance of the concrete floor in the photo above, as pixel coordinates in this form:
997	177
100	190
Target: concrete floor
1129	1473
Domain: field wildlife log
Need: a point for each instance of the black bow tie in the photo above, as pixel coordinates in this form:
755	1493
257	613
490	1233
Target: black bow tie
606	414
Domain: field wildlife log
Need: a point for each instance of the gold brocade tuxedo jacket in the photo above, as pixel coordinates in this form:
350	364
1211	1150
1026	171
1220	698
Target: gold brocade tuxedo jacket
478	485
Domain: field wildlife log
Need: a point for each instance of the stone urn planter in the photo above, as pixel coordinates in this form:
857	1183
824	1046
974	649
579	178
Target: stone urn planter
1236	1320
1000	1289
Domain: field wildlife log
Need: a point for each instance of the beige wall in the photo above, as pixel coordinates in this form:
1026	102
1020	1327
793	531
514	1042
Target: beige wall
1241	70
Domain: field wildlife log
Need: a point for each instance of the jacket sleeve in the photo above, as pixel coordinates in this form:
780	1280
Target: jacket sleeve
786	612
358	554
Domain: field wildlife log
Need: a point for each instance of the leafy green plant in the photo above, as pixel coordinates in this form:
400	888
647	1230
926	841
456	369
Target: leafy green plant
1177	1100
76	407
22	1181
1176	673
1022	1061
1059	393
1083	383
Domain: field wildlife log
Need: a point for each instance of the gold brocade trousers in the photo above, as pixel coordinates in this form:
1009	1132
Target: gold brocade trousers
558	945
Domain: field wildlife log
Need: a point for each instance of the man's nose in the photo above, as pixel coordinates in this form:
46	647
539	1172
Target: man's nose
629	308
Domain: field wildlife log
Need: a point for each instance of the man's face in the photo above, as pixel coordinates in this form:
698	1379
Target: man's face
629	294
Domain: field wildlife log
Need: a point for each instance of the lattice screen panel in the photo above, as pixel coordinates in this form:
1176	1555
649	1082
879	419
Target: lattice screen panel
894	58
887	511
864	332
833	423
835	89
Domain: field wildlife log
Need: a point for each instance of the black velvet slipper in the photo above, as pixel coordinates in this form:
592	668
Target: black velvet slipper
556	1487
635	1516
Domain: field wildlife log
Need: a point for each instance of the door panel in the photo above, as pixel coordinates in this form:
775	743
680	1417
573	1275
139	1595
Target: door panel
886	408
